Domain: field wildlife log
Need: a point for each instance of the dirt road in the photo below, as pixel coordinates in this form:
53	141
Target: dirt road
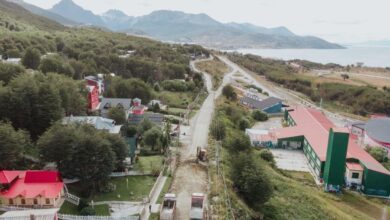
191	177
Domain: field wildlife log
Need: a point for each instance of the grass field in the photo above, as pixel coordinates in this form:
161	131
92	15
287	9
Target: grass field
176	99
70	209
138	188
148	164
215	68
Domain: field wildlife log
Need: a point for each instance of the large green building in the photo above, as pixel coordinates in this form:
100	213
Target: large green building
334	157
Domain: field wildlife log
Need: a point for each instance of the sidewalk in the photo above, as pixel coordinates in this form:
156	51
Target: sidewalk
153	199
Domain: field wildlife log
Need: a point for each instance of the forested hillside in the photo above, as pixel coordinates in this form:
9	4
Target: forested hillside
48	83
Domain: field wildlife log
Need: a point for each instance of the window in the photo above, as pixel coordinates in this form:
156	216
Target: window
355	175
107	105
11	201
23	201
47	201
35	201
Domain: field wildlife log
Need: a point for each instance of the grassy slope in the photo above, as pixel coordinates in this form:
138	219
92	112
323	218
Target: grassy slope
296	196
216	68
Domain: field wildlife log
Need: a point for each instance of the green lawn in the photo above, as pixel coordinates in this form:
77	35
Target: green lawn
154	216
68	208
138	187
148	164
165	190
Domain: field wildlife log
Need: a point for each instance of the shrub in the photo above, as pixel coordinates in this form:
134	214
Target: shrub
238	142
243	123
267	155
87	211
82	204
259	115
250	178
229	93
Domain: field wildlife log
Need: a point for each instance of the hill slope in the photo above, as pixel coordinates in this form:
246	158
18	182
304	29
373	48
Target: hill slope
44	13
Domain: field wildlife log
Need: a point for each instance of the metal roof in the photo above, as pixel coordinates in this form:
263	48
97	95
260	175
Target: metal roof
379	129
261	104
314	125
115	102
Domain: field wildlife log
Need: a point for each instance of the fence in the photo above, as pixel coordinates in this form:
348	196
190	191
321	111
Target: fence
78	217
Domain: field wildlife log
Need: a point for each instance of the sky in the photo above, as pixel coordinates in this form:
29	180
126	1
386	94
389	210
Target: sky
340	21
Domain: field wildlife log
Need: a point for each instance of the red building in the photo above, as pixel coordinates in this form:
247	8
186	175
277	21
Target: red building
31	188
93	98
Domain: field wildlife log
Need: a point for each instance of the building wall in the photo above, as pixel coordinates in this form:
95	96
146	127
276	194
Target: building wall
274	109
349	179
40	201
375	183
314	161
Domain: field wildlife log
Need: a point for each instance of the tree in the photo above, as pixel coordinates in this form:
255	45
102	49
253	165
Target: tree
130	130
249	177
229	93
80	151
243	123
379	153
156	107
259	115
50	64
119	147
345	76
117	114
31	58
12	145
144	126
238	142
9	71
218	129
152	138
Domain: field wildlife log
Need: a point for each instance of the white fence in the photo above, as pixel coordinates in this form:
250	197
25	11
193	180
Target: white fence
72	199
78	217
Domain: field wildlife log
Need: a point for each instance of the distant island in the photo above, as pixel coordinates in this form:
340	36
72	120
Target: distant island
180	27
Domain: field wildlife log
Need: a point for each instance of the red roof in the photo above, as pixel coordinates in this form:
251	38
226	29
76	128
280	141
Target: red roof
31	184
315	126
7	176
354	166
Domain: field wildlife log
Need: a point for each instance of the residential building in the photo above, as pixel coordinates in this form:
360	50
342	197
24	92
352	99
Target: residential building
96	81
93	98
333	155
269	105
31	188
98	122
107	103
15	61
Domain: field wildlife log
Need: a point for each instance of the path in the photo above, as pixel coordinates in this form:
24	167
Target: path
191	177
384	213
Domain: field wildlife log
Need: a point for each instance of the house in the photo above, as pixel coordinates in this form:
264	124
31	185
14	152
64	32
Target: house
96	81
98	122
269	105
137	107
35	214
333	155
93	98
107	103
31	188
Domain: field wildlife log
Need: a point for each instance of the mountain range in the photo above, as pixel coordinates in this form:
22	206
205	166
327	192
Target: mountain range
180	27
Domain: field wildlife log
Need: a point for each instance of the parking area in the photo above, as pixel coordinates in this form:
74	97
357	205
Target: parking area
293	160
271	123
